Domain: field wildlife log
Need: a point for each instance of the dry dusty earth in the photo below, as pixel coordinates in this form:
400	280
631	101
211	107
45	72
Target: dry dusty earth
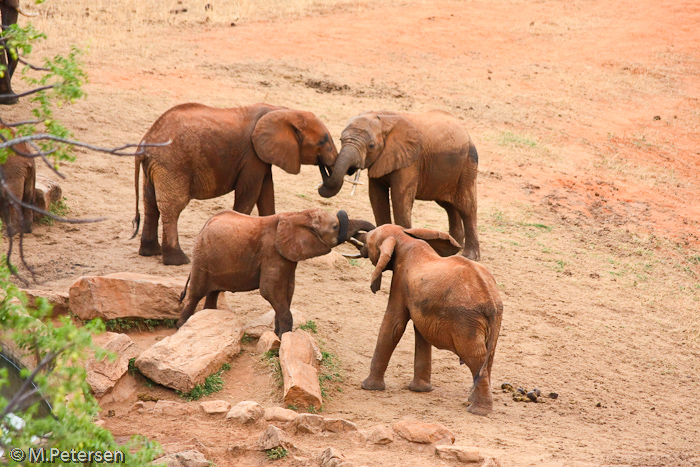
587	122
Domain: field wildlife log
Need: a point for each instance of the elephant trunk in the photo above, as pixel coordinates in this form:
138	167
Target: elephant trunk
343	221
349	157
357	225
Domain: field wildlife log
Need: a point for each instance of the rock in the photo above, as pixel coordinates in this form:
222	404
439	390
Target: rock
103	375
308	423
268	341
139	407
458	453
299	371
191	458
272	438
46	192
280	414
58	300
246	412
126	295
215	407
122	391
318	355
338	425
257	327
172	408
421	432
183	360
381	435
331	457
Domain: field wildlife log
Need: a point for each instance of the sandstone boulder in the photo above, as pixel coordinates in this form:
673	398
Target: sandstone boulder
215	407
338	425
46	192
268	341
381	435
191	458
58	300
458	453
104	374
308	423
421	432
266	322
246	412
183	360
280	414
126	295
331	457
299	370
272	438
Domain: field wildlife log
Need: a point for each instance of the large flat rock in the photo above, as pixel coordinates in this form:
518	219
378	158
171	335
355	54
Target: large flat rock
103	375
183	360
126	295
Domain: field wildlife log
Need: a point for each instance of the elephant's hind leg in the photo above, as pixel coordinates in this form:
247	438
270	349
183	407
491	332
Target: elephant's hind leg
421	365
170	210
471	236
149	236
480	399
212	300
455	221
191	301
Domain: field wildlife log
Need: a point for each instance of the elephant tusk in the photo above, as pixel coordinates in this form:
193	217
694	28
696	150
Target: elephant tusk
355	182
353	256
355	242
319	185
22	12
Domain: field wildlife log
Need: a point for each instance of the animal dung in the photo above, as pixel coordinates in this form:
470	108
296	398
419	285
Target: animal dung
522	395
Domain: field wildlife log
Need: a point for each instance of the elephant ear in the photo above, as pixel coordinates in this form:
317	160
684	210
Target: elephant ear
441	242
296	238
402	146
276	139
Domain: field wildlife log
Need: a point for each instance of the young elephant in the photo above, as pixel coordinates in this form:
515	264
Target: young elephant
237	253
20	177
453	302
216	151
427	156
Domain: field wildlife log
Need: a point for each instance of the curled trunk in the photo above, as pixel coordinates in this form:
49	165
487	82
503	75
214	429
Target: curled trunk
349	157
358	225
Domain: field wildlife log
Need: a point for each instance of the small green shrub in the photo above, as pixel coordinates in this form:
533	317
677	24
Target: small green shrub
59	208
310	325
276	453
213	383
246	339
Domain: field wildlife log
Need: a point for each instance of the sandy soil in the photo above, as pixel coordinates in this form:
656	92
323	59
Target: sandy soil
587	122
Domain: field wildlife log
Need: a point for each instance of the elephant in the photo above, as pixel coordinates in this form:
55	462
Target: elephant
235	252
454	304
426	156
216	151
9	10
19	173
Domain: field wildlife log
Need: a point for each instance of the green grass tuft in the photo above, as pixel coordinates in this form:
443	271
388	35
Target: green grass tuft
276	453
310	325
213	383
59	208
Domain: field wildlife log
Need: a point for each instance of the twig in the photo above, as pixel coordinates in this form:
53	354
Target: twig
33	67
30	92
118	151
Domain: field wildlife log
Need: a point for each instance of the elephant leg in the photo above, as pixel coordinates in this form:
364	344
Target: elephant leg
480	398
379	199
170	209
471	236
212	300
277	287
149	236
266	200
402	197
393	326
248	191
455	221
194	296
421	365
28	198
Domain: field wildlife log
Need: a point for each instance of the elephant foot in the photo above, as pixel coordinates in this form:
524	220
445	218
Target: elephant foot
472	253
420	386
180	322
373	385
175	258
480	410
150	249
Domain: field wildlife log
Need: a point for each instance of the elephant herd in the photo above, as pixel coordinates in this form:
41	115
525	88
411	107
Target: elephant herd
452	300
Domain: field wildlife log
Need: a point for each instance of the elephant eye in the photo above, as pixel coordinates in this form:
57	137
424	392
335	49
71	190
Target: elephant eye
371	145
335	226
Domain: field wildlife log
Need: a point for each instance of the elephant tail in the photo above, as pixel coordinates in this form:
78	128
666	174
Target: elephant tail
494	331
137	219
184	292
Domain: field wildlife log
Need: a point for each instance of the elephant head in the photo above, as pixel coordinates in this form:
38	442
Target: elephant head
379	141
381	243
288	138
314	232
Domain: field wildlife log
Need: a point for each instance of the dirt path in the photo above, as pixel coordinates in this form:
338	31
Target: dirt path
586	118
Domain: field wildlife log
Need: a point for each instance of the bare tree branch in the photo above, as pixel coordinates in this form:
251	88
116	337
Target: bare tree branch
33	67
30	92
13	125
118	151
